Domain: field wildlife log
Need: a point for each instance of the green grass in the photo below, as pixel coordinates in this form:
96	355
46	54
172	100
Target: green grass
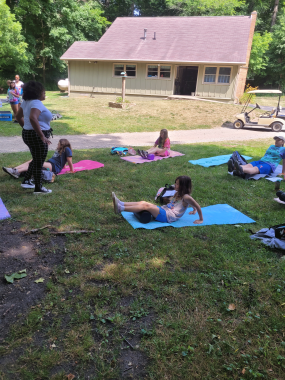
170	287
85	115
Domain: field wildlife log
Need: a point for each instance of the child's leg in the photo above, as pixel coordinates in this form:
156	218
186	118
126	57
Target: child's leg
120	206
249	169
153	150
23	167
47	165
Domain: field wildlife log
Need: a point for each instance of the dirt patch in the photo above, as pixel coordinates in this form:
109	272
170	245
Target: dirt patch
18	252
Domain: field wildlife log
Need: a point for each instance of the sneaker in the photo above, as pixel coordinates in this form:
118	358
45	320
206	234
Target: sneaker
140	153
43	190
12	172
231	165
28	184
144	154
239	169
115	203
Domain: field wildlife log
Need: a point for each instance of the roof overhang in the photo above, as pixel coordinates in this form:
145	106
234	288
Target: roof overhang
149	60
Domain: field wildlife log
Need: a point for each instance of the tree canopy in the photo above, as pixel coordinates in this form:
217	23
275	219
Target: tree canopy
37	32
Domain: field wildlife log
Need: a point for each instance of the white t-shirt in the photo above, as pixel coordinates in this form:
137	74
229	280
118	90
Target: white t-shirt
18	85
44	117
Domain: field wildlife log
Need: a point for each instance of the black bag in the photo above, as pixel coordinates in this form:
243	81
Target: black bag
143	216
279	231
164	200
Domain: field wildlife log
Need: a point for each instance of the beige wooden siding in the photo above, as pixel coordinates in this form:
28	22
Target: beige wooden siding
212	90
91	77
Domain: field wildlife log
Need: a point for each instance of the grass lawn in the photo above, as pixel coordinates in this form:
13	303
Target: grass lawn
85	115
166	291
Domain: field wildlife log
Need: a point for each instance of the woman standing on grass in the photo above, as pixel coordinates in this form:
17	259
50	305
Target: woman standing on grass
35	119
14	96
172	211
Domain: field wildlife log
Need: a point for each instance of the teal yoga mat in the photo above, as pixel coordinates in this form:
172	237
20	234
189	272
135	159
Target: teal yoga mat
214	161
215	214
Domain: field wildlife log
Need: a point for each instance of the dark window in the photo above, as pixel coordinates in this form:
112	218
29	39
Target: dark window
152	71
165	71
210	75
224	75
131	70
118	69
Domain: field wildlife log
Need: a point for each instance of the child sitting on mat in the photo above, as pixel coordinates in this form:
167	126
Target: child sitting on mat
55	164
161	146
169	213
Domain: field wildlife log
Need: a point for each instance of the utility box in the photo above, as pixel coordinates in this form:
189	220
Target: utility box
5	116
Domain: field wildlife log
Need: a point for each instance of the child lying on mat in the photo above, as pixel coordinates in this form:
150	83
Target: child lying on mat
55	164
161	146
266	165
169	213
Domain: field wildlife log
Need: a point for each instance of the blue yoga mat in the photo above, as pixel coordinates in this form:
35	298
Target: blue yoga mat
214	161
216	214
4	214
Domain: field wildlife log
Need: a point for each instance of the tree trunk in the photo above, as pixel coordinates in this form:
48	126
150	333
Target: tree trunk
275	10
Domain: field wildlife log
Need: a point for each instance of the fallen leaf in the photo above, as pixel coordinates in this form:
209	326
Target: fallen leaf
231	306
53	345
67	271
130	363
70	376
63	299
39	280
15	276
22	271
243	371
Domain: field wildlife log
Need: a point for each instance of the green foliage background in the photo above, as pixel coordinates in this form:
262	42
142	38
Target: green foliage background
35	33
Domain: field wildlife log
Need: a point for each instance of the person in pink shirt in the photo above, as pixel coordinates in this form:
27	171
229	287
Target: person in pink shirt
161	146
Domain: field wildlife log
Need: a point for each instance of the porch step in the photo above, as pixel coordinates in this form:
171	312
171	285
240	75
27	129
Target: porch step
189	97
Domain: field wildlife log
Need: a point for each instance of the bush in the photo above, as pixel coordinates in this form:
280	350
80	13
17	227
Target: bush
243	99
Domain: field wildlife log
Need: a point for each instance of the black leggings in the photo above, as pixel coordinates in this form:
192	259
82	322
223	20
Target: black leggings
39	152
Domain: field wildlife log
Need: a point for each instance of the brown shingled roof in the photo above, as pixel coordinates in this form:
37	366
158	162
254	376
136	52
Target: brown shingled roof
178	39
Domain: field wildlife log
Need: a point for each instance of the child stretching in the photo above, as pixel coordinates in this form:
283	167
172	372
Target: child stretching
170	212
55	164
161	146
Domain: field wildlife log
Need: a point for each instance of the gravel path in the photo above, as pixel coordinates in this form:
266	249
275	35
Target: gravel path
15	144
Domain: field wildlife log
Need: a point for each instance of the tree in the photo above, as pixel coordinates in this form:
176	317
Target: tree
205	7
13	56
51	26
259	54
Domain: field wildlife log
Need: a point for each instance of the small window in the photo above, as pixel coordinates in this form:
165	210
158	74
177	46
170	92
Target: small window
210	75
165	71
131	70
152	71
224	75
118	69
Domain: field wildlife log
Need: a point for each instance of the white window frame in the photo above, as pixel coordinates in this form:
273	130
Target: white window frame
125	65
216	83
158	73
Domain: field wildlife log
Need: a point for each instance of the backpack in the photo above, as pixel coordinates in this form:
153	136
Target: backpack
119	150
239	158
160	194
279	230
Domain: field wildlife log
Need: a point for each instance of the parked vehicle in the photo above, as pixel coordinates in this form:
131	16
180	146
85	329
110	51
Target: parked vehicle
270	119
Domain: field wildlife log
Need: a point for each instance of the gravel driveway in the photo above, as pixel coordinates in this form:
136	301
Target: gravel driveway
15	144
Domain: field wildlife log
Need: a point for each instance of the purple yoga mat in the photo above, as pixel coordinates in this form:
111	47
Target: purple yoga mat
139	160
4	214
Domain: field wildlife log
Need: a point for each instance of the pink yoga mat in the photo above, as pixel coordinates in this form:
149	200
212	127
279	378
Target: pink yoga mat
4	214
83	165
139	160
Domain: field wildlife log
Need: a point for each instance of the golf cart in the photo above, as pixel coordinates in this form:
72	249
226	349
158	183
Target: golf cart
270	119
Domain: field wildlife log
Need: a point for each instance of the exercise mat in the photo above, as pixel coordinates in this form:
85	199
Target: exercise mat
139	160
83	165
214	161
4	214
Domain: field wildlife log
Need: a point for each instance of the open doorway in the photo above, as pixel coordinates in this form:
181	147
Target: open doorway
186	80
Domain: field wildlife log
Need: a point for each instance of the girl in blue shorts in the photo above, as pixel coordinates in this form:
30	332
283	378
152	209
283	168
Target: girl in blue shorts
14	96
169	213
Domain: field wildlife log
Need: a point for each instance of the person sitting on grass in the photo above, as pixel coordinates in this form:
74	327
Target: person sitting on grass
266	165
168	213
161	146
55	164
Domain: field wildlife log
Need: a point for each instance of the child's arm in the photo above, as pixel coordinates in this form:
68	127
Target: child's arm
196	207
70	164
